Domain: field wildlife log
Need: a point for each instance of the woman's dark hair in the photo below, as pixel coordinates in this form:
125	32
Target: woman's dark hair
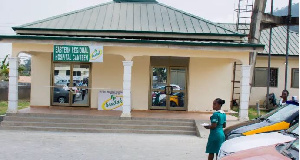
286	92
220	101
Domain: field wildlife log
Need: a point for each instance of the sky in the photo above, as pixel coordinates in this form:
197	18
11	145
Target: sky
18	12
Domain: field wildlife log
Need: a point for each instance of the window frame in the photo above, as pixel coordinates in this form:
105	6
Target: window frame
292	76
277	69
68	71
56	72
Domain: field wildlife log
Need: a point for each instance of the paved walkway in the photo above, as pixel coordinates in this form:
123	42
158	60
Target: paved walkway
40	145
29	145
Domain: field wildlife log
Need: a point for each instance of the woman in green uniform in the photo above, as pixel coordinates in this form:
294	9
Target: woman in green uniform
216	136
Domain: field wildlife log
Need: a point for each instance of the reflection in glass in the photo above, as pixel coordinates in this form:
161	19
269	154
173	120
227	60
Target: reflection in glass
177	99
158	98
81	75
61	78
81	96
159	77
178	77
60	95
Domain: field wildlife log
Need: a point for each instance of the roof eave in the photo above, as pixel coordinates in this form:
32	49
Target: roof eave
277	55
11	38
126	31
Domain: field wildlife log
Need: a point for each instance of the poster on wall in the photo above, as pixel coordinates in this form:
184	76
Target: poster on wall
110	100
71	53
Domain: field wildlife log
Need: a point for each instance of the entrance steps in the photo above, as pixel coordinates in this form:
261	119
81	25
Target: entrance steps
96	124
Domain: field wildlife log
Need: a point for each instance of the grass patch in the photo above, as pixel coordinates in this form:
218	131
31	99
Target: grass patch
3	107
252	112
22	104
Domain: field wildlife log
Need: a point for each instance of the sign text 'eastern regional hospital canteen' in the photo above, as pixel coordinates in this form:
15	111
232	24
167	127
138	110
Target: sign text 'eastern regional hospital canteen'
78	53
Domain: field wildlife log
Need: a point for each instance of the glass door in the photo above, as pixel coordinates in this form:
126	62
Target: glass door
80	92
168	88
158	86
70	84
61	82
178	84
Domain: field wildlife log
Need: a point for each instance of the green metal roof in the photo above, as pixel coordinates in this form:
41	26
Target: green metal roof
141	1
278	39
134	17
278	42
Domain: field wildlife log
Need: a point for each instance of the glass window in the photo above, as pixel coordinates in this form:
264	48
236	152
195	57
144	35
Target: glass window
65	93
159	98
76	73
261	77
178	77
61	82
159	78
295	78
56	72
177	99
80	77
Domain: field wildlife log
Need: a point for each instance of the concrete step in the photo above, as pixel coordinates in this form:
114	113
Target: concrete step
97	121
84	130
89	117
97	126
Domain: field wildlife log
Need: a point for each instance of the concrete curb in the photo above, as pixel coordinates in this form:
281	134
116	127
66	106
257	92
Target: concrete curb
200	130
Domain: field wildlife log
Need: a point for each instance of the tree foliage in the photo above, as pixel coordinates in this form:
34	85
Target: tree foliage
4	69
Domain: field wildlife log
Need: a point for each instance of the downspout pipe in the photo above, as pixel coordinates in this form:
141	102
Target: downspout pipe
287	42
269	60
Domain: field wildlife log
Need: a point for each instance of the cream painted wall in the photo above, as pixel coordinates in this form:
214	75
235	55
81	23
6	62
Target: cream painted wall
40	79
109	75
209	79
140	82
106	75
259	93
242	56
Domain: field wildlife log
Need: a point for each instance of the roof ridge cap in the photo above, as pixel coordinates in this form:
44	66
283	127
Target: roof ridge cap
197	17
61	15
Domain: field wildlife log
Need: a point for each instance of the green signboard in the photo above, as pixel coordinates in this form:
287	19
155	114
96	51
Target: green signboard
78	53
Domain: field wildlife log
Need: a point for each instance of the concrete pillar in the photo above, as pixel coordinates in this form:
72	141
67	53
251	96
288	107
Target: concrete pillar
13	85
244	92
127	89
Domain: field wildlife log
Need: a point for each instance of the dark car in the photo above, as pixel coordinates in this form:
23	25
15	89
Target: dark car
279	119
61	95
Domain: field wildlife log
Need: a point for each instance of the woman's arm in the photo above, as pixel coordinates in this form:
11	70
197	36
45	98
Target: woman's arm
211	126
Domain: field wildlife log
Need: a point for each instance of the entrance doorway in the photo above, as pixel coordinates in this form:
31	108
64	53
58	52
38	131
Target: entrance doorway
70	84
168	89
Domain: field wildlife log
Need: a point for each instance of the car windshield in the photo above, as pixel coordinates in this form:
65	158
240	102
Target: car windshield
271	112
295	145
283	113
294	129
292	150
